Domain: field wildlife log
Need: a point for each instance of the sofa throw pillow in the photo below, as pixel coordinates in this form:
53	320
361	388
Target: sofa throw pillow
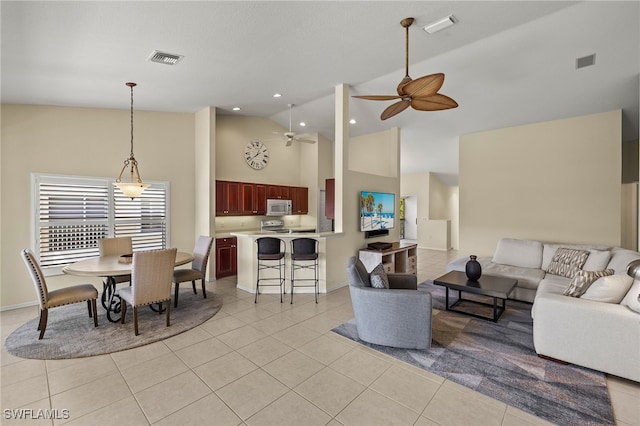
378	277
582	280
597	260
609	289
567	262
632	299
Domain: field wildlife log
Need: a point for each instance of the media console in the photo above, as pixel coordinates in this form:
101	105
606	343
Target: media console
400	258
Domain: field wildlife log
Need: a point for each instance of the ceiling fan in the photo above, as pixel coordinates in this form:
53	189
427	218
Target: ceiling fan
291	136
421	94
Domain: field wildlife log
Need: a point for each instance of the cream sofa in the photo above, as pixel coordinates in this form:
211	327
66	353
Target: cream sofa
586	330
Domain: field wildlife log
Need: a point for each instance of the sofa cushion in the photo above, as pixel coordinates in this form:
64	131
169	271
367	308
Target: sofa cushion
609	289
567	262
553	284
632	299
527	277
593	264
597	260
520	253
582	280
620	258
378	277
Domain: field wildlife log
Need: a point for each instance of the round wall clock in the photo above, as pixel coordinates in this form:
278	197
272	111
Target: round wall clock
256	155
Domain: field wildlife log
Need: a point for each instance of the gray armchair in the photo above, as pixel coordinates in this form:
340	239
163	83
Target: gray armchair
399	317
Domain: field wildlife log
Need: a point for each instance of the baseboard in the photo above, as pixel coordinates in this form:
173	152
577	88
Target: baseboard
19	306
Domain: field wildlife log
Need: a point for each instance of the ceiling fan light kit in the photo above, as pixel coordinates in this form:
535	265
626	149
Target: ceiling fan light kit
420	94
440	24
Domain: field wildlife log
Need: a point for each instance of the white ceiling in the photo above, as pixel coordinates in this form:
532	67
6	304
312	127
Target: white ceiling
506	62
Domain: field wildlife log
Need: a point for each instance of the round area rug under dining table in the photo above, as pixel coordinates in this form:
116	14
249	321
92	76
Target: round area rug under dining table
70	332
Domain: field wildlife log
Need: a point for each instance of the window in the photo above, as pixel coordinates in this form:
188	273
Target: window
72	213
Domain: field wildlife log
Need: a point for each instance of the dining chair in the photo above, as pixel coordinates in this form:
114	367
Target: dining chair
198	270
116	246
151	273
64	296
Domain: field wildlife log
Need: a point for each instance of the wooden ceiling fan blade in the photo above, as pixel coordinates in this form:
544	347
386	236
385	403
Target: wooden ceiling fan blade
377	97
437	102
308	136
394	109
424	86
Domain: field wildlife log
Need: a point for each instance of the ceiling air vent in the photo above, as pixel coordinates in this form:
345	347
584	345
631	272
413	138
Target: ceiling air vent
165	58
586	61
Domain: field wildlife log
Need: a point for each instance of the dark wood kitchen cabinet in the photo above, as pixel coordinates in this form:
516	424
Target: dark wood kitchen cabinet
330	198
226	257
253	199
227	198
299	200
280	192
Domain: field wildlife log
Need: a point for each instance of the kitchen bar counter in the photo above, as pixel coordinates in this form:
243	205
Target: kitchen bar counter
247	259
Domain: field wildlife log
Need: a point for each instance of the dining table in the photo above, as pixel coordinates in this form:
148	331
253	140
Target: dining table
110	267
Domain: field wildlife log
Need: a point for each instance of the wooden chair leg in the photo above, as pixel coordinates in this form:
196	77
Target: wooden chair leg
94	307
89	308
204	292
168	312
123	305
175	295
193	284
43	322
135	319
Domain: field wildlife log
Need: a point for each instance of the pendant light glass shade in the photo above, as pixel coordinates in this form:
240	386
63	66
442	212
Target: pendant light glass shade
134	187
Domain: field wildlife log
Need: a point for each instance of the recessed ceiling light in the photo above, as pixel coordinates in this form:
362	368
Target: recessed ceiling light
277	95
302	123
352	121
440	24
236	108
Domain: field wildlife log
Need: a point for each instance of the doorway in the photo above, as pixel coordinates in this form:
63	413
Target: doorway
410	222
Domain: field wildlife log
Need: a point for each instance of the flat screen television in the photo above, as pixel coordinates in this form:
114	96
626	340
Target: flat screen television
377	210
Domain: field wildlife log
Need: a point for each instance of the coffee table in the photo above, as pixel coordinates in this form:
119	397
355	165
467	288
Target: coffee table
487	285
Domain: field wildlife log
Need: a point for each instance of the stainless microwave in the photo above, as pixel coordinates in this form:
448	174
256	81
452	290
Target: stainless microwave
278	207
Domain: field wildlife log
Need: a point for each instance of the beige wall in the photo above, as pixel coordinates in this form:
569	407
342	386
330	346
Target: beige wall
86	142
234	132
553	181
437	210
374	153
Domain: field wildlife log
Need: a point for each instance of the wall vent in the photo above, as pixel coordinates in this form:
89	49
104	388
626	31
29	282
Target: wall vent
586	61
165	58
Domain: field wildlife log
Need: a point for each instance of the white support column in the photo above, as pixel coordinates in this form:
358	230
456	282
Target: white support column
341	153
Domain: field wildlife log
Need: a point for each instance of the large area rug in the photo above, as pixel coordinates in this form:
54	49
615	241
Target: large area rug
70	332
499	360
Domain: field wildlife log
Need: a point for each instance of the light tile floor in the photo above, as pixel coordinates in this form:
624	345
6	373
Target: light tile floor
264	364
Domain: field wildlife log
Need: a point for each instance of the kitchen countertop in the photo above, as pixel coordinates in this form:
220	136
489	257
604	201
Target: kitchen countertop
258	234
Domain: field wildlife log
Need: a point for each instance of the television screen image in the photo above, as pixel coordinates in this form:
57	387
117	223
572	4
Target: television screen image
377	210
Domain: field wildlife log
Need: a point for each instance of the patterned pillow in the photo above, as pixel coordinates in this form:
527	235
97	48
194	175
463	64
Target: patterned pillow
378	277
567	262
583	279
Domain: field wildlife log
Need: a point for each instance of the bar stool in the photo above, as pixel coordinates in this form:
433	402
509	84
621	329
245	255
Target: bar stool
271	250
304	255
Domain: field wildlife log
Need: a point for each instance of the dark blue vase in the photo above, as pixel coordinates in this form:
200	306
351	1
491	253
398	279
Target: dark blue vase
473	269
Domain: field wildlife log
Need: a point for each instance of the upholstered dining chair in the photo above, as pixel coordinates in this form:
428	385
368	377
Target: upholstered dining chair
151	273
116	247
64	296
198	270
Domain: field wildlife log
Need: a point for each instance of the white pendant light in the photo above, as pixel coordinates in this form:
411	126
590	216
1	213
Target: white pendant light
135	186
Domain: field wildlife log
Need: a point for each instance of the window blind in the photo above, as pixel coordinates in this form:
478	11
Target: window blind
73	213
